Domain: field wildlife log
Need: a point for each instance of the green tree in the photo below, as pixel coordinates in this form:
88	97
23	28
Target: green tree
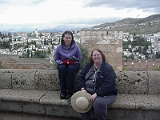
40	34
85	55
49	51
27	53
40	54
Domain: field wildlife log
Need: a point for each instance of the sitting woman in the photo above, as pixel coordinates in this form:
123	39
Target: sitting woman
99	79
68	56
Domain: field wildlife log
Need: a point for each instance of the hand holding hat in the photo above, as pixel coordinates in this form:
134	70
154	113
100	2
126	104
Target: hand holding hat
80	102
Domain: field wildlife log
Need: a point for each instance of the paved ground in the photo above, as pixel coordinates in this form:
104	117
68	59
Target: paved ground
23	116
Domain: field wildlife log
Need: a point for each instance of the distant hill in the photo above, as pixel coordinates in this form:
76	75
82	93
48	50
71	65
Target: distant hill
148	25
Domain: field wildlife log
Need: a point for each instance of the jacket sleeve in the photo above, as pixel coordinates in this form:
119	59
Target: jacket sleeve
57	56
109	82
81	78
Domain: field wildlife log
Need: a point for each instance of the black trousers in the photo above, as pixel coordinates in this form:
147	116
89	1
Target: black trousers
67	76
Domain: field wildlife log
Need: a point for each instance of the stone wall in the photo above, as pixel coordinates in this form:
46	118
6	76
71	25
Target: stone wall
129	82
141	65
110	42
37	92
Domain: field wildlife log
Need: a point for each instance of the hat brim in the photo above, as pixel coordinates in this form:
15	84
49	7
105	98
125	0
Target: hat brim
75	96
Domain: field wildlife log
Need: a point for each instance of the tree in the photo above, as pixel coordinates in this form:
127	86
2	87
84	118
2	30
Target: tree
49	51
27	53
157	55
84	55
40	34
132	56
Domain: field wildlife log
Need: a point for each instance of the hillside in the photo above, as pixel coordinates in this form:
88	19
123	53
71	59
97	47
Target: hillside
148	25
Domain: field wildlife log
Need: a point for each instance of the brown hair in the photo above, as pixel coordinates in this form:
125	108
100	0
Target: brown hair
70	33
103	56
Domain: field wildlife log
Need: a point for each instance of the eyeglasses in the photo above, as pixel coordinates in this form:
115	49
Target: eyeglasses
96	55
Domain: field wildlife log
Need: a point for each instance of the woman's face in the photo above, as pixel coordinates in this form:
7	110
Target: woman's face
97	57
67	39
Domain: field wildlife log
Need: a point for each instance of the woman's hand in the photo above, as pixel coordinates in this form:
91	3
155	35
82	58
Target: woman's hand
68	62
93	97
82	89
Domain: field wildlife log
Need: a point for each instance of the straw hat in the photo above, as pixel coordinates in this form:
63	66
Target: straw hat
80	101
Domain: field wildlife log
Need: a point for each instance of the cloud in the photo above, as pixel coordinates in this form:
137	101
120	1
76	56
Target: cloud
147	5
19	2
48	14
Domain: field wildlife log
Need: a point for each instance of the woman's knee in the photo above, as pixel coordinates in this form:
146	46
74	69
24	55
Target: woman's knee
74	67
61	67
98	103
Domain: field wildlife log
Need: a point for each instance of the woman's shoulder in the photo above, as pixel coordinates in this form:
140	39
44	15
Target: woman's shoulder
60	46
88	65
106	65
74	45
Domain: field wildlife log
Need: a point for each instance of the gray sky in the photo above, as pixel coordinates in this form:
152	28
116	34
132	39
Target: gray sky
29	15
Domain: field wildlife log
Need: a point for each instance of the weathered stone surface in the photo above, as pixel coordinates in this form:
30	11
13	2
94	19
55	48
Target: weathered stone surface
154	82
33	79
147	102
46	79
53	97
124	101
36	91
128	82
64	111
132	82
33	108
110	42
23	79
4	92
5	78
23	95
11	106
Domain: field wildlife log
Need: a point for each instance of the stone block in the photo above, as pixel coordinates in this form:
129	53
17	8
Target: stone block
147	102
132	82
11	106
23	79
154	82
47	80
33	108
5	79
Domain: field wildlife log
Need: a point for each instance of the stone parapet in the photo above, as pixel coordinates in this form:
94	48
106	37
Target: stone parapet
128	82
37	92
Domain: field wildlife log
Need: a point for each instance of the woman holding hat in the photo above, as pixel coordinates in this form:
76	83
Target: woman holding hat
98	79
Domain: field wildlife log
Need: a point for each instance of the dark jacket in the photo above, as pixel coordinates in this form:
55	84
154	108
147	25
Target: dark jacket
105	82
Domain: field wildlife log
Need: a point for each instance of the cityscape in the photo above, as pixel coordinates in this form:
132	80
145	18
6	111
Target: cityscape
41	44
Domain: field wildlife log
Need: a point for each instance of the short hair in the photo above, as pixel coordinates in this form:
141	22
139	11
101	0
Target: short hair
70	33
103	56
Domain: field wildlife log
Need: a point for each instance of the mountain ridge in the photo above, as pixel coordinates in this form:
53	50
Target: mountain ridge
148	25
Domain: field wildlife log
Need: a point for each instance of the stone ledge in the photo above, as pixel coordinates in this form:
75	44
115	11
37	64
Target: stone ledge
44	97
43	102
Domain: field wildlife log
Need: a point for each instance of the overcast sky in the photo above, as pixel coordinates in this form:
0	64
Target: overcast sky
23	15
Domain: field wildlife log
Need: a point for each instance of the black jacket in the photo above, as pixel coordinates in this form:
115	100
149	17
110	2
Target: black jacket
105	82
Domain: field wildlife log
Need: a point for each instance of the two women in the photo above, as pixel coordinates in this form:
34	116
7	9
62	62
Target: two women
97	78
